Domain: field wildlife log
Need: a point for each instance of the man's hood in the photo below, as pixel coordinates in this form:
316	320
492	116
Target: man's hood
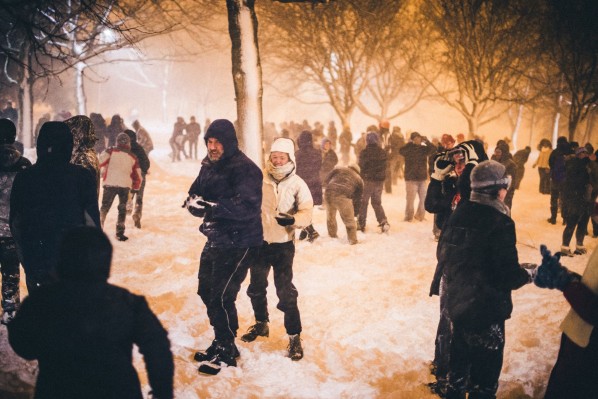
55	143
223	131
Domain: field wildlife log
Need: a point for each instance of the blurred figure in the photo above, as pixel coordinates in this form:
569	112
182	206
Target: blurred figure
11	162
10	113
144	164
520	158
329	158
115	127
503	155
332	134
82	329
398	142
373	165
344	190
84	140
99	126
45	118
47	199
309	164
545	148
345	141
556	161
360	144
193	131
177	139
143	138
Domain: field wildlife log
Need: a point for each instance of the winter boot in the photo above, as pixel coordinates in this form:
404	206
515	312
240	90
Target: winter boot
384	227
565	251
210	352
580	250
295	349
259	329
551	220
137	220
312	234
121	237
224	356
303	234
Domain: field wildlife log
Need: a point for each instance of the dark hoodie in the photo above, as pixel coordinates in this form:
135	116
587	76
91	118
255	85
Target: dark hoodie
372	159
139	152
49	198
309	163
234	183
82	329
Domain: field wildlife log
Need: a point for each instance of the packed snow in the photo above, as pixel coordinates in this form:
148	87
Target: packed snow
368	322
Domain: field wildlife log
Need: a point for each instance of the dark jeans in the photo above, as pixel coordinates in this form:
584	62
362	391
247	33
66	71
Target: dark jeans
556	197
221	273
576	221
475	361
11	275
138	197
279	256
544	180
108	198
372	189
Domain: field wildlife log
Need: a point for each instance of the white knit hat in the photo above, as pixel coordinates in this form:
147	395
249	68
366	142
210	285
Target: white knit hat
284	144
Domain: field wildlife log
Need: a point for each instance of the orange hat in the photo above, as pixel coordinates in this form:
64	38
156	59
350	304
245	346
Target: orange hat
385	124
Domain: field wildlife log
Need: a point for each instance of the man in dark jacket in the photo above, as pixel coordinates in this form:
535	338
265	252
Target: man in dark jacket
556	162
479	259
227	194
11	162
577	200
309	164
344	188
82	329
46	200
416	173
373	164
144	164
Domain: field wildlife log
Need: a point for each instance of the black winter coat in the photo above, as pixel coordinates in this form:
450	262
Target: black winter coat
11	162
416	160
82	334
577	191
372	162
234	183
478	257
309	163
345	182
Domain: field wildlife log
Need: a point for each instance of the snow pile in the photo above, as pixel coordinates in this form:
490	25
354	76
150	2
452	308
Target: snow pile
368	322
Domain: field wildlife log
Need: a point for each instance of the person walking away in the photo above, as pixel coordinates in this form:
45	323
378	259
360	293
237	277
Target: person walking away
390	142
397	142
520	158
360	144
577	201
346	141
344	190
84	140
286	205
100	131
329	161
82	329
373	165
143	138
11	162
193	131
309	164
177	139
556	162
136	197
545	148
227	195
332	134
115	127
121	173
69	196
416	154
575	372
478	253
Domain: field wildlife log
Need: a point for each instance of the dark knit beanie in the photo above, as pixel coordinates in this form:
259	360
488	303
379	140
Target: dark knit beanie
489	177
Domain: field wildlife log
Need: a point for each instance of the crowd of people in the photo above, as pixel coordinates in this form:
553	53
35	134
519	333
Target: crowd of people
250	217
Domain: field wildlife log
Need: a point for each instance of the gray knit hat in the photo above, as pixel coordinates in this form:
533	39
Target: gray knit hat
489	176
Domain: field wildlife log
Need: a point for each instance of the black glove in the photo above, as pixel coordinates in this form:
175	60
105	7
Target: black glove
284	219
197	206
551	274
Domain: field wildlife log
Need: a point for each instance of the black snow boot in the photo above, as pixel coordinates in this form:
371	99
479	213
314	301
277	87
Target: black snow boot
259	329
295	348
312	234
121	237
210	352
224	356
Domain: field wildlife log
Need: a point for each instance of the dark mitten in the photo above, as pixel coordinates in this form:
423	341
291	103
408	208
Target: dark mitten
551	274
284	219
197	206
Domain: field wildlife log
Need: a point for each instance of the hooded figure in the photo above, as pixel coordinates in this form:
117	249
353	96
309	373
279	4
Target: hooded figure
227	194
373	162
286	205
82	329
84	140
144	165
309	163
46	200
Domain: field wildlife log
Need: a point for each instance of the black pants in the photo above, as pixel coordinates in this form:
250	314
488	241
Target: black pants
475	361
138	197
110	193
221	273
11	275
278	256
556	196
577	220
544	180
443	337
372	189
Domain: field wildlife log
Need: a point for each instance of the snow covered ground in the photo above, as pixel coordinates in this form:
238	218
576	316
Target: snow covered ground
368	322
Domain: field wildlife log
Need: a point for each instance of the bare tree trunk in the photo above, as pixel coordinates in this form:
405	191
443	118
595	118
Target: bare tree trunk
25	128
515	134
557	117
247	76
167	67
472	124
531	125
80	89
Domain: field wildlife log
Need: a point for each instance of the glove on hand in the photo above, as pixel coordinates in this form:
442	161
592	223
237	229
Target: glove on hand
469	153
284	219
531	269
442	166
197	206
551	274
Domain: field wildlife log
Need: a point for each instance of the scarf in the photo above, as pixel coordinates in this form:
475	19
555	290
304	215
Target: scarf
279	173
490	200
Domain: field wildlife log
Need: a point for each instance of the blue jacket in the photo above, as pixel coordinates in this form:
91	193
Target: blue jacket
234	183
